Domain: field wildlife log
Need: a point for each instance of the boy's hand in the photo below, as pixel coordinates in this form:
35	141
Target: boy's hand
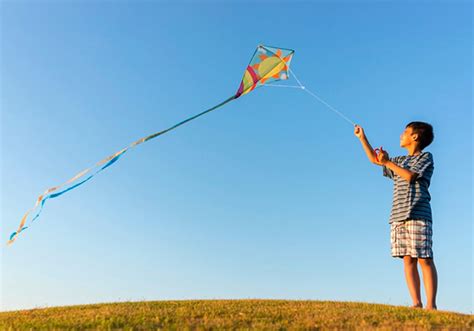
359	132
382	158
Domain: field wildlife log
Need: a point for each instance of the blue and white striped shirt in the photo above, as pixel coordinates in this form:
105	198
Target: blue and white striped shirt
411	201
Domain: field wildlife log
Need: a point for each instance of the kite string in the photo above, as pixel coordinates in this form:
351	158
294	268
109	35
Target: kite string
281	85
321	100
313	94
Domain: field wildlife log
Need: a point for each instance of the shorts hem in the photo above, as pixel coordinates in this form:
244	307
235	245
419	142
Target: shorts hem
401	256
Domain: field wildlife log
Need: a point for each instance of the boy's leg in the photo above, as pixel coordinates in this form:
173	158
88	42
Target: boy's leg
413	279
430	279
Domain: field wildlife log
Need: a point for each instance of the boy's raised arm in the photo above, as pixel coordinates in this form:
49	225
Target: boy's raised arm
359	133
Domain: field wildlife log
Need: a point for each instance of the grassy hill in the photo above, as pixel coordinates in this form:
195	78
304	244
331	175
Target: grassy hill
233	314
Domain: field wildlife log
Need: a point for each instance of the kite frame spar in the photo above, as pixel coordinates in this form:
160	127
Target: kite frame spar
245	87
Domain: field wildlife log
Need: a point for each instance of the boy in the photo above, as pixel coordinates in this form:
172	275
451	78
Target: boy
410	218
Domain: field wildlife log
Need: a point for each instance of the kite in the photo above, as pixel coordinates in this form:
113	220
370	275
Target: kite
267	65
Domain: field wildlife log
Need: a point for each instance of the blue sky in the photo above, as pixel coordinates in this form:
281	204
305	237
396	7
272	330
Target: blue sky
268	197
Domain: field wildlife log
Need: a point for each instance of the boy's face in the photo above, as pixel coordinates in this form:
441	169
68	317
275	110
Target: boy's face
407	138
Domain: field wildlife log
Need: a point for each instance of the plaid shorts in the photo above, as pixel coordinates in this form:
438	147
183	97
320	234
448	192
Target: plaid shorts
413	238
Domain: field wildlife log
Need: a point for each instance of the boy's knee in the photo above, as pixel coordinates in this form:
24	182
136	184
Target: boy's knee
426	262
408	260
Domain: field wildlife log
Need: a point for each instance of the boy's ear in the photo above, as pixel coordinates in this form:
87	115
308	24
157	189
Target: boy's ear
415	136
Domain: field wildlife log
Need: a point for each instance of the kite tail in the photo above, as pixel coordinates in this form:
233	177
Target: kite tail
81	178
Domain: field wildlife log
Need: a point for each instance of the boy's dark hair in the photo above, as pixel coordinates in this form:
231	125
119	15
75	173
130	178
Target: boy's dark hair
424	131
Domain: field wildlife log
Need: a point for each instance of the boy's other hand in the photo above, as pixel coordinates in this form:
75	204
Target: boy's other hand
382	158
359	132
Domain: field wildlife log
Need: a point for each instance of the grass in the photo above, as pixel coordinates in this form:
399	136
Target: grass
233	314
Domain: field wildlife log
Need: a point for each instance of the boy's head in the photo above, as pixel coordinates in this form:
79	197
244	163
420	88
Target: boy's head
418	134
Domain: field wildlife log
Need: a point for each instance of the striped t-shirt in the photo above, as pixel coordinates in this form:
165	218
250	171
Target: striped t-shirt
411	201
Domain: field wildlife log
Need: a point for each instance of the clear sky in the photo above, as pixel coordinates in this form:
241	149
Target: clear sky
268	197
